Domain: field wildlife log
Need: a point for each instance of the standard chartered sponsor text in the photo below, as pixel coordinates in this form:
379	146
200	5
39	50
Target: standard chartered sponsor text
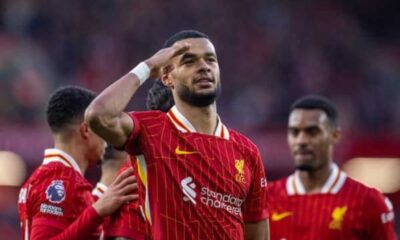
218	200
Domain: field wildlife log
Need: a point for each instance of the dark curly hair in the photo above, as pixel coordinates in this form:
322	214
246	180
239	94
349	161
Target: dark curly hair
67	106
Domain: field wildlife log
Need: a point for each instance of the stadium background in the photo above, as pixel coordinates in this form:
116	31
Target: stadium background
270	53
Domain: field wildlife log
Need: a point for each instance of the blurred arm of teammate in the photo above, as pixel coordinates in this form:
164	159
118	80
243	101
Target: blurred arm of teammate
256	231
105	114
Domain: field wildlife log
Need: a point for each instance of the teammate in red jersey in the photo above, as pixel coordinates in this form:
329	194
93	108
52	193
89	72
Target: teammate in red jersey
202	180
318	201
56	201
111	163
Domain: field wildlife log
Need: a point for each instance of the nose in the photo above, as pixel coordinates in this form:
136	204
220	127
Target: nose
302	139
203	65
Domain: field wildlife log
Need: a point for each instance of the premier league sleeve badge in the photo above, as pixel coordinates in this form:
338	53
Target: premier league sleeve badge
55	192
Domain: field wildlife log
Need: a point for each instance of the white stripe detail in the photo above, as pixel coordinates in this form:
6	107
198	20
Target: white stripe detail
294	180
221	128
183	120
176	124
99	189
226	132
143	166
53	151
340	182
299	185
331	179
289	185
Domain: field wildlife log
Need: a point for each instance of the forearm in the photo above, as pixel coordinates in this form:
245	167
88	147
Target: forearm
256	230
83	227
105	114
110	103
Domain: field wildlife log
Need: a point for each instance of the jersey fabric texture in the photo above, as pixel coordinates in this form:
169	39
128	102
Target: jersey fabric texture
344	209
196	186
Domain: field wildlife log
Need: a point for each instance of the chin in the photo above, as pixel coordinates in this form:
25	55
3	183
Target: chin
304	165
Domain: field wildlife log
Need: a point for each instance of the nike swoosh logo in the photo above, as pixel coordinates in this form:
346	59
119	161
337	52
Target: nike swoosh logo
279	216
182	152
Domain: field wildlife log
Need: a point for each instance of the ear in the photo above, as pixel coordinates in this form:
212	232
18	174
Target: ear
84	130
166	77
336	135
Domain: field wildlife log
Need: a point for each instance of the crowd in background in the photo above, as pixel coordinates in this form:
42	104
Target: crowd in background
270	53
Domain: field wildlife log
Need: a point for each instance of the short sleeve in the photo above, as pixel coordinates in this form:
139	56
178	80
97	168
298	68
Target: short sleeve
255	206
132	146
380	222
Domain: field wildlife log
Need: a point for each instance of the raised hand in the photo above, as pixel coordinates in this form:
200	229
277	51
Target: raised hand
118	193
163	57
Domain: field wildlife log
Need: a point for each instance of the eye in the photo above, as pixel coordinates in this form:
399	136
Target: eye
188	61
293	132
211	59
313	131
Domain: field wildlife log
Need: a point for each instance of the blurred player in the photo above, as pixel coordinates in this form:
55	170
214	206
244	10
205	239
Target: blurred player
56	201
318	201
111	163
202	181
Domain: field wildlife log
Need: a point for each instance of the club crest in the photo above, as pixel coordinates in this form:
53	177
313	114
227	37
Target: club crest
55	192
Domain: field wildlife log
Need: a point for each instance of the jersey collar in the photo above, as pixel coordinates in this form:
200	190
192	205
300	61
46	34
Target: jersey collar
333	184
183	125
57	155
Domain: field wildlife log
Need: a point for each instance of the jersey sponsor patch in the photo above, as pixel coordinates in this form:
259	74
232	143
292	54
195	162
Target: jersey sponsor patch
53	210
55	192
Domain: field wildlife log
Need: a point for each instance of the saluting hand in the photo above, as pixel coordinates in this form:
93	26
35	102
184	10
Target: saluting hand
163	58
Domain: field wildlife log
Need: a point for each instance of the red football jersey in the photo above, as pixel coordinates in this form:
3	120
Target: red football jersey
129	221
56	200
197	186
345	209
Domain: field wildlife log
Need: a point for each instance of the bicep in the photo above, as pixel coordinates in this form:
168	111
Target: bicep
256	230
115	131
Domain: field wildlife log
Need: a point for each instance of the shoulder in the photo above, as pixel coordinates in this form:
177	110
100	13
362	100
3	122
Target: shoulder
371	196
147	114
243	141
277	185
51	171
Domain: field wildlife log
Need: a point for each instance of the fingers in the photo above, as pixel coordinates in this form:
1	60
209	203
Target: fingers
128	189
122	176
129	198
180	48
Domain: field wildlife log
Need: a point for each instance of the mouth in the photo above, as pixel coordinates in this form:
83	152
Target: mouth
304	153
204	82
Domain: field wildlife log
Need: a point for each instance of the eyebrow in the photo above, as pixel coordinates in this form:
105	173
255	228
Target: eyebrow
191	55
304	128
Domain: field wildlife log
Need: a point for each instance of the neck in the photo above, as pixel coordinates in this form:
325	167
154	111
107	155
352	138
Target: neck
74	150
203	119
313	181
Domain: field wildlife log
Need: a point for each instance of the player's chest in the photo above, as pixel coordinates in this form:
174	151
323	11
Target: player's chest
329	218
210	158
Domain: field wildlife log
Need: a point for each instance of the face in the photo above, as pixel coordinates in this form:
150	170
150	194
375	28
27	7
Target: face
311	139
96	147
195	76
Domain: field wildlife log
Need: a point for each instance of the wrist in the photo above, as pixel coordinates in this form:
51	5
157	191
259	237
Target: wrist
99	209
142	72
